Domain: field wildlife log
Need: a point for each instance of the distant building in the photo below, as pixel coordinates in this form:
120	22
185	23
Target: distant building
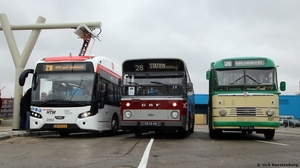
7	108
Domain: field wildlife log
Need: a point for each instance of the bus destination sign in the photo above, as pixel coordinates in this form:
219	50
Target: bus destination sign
154	66
162	66
245	63
64	67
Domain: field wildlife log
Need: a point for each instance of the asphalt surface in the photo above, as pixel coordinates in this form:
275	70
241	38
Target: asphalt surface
6	130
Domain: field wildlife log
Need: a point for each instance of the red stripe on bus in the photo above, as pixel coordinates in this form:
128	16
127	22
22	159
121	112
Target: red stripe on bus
154	105
99	66
67	58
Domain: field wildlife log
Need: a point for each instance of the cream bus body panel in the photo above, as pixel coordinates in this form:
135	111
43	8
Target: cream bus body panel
258	103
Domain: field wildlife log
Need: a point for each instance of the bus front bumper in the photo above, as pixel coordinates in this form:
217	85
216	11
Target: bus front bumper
234	125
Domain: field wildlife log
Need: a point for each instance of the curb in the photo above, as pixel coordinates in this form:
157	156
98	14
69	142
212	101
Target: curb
26	134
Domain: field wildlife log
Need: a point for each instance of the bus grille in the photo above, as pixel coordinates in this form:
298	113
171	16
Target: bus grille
246	111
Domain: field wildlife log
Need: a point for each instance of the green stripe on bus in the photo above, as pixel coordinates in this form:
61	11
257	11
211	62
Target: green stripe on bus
255	124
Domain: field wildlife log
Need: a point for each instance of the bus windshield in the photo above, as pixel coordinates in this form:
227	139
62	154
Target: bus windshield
154	84
251	78
63	88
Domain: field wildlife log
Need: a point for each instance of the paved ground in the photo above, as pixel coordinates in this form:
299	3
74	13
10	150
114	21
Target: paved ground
7	132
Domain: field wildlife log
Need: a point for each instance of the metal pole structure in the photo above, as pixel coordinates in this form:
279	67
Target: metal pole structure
21	60
52	25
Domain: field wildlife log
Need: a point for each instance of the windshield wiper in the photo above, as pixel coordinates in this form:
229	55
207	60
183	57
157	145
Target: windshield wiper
237	80
133	83
159	83
76	90
64	101
49	101
252	79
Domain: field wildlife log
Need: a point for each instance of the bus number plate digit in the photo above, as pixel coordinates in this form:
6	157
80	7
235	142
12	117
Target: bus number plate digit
60	126
150	123
247	127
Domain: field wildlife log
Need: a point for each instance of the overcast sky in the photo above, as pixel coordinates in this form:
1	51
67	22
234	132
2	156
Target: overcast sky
197	31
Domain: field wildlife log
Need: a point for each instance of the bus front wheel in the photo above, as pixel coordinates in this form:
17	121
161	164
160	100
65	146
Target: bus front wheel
215	133
64	133
269	134
114	125
138	133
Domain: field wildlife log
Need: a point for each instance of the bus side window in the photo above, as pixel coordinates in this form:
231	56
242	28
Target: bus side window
110	92
102	91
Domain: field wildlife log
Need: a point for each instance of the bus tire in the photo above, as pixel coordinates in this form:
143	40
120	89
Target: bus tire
214	134
269	134
138	133
193	127
64	133
183	133
114	125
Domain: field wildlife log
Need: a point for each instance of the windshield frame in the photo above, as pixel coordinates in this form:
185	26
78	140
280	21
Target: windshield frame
153	83
73	87
247	78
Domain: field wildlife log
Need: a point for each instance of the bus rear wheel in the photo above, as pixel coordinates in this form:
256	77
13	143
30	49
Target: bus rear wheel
269	134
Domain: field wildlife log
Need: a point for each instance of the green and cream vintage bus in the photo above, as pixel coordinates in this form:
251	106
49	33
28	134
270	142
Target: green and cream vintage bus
243	96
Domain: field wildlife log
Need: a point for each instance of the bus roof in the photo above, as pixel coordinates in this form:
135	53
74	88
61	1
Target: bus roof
243	62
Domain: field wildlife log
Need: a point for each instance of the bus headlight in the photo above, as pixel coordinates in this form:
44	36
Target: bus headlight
270	112
84	115
128	114
174	104
174	114
223	112
36	115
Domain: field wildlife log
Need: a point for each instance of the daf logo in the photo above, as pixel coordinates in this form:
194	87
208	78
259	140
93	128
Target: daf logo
151	105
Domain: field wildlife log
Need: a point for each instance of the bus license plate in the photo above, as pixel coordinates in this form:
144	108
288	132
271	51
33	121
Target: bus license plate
246	127
60	126
150	123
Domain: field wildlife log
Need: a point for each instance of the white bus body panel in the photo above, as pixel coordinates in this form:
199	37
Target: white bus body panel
99	122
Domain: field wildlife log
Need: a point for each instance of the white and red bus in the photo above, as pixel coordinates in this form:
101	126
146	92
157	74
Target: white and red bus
59	98
157	95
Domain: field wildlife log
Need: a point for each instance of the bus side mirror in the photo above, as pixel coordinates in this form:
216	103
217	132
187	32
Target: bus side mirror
35	82
24	75
282	86
207	75
190	87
